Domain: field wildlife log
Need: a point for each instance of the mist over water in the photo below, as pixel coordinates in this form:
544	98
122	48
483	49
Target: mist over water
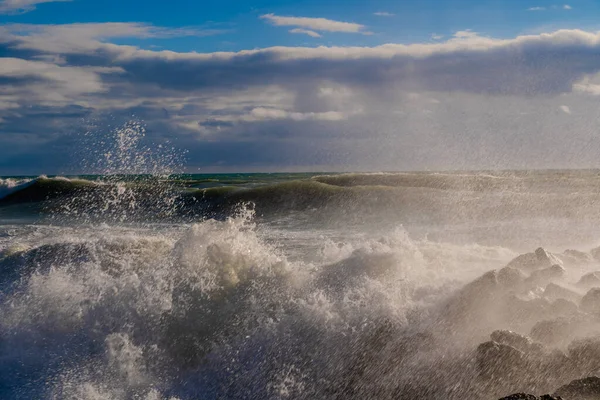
140	283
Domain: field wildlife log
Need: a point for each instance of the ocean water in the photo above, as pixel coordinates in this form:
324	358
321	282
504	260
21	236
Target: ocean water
283	286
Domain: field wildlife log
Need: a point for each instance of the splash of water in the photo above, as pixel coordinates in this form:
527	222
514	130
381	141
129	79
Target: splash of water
133	176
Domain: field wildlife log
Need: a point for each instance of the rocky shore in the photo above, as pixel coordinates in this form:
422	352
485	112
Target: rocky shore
544	324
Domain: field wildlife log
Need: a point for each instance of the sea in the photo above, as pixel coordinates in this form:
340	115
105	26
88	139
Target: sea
281	285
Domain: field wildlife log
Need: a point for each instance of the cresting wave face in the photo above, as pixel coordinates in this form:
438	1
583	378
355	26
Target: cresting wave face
141	284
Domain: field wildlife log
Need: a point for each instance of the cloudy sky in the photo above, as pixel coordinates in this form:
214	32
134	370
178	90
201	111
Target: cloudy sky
283	85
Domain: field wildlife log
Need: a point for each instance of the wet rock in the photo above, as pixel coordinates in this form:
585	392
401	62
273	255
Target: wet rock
523	314
519	342
556	366
581	389
511	277
595	253
585	354
590	280
555	292
590	303
562	307
563	330
520	396
540	259
474	304
547	275
552	332
523	396
496	360
576	257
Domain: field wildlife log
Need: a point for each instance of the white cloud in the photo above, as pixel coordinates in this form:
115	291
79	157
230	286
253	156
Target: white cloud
565	109
317	24
47	84
262	113
466	34
22	6
211	124
87	36
305	32
567	7
383	14
589	84
536	9
436	36
76	79
419	104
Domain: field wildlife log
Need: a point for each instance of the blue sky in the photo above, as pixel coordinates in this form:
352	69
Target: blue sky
240	26
304	85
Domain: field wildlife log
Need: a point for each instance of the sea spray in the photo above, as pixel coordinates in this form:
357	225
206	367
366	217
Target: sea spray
320	301
133	177
208	311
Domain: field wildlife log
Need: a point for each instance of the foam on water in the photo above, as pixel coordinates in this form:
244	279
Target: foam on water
210	310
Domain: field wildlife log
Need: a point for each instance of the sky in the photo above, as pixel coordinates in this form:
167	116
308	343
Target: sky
302	85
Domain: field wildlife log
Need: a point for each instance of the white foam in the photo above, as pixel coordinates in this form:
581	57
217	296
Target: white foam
122	312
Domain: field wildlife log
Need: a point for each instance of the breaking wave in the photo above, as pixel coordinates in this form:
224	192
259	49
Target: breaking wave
213	311
412	196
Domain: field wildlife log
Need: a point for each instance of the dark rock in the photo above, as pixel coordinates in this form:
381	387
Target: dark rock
523	396
590	280
552	332
581	389
496	360
519	342
585	354
554	292
556	366
590	303
540	259
520	396
563	330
